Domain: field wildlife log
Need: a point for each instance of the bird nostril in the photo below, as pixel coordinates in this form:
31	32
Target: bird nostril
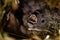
33	18
42	15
